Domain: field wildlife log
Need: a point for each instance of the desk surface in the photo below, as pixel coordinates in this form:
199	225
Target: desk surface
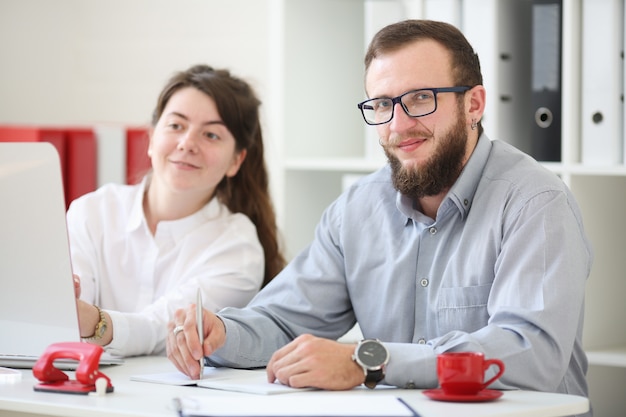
132	399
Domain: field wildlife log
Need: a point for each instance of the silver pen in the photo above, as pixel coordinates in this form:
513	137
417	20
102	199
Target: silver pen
200	329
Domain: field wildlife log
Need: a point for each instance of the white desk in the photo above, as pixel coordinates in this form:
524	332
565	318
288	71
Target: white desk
132	399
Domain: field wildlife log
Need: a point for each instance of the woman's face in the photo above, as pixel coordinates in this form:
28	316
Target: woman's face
190	147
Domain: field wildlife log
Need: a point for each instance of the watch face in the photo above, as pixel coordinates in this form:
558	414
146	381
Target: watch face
372	353
102	329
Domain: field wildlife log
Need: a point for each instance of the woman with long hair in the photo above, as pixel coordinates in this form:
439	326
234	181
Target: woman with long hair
201	218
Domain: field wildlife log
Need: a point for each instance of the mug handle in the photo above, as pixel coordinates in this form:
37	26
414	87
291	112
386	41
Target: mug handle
487	364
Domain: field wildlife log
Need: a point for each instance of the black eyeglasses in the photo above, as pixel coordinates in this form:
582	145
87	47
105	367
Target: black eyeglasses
416	103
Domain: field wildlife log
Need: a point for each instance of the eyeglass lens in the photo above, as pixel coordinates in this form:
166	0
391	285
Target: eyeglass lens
415	103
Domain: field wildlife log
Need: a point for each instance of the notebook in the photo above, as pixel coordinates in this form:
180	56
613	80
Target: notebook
37	303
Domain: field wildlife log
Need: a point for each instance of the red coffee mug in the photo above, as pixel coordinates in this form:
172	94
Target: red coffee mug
463	373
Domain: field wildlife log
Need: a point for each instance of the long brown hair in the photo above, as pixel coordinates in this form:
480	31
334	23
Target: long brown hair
248	191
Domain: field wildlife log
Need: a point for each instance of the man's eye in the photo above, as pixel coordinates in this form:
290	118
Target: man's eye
423	96
382	105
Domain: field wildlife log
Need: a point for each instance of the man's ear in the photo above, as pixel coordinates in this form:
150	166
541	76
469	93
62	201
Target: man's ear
475	103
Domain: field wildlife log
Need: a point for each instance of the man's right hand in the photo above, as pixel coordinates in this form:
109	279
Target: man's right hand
184	348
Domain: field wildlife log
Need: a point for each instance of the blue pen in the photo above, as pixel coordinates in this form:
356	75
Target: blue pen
200	329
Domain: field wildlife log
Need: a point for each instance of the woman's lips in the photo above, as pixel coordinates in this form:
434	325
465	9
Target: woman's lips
184	165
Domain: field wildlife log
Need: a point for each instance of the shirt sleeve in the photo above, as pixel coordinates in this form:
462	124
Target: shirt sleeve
82	249
229	273
308	296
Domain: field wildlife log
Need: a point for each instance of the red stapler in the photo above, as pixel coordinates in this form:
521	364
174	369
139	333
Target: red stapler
87	373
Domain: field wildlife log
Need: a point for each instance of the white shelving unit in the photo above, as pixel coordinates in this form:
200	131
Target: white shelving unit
325	140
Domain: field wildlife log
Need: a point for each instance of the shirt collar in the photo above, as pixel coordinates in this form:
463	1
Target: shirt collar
463	190
175	229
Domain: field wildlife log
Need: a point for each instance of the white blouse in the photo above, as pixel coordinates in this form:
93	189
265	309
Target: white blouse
141	279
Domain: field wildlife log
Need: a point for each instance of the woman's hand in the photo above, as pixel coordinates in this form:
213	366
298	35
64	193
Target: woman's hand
76	286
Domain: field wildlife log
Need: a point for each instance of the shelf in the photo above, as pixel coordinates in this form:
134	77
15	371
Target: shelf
357	164
334	164
614	170
608	357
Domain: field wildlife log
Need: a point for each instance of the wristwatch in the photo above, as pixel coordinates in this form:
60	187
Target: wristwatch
372	356
100	329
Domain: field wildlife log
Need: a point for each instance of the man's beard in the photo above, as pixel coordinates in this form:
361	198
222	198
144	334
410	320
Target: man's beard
438	173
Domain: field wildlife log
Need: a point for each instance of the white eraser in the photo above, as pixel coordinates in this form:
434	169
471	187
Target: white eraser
101	387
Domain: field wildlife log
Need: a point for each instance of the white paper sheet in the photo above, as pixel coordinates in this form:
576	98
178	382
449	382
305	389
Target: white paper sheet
237	380
320	404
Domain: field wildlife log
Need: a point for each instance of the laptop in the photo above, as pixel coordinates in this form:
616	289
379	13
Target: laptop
37	303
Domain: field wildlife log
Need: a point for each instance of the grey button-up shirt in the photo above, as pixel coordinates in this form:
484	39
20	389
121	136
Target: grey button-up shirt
501	270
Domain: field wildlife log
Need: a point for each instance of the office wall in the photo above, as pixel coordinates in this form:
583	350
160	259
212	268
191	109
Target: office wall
90	62
85	61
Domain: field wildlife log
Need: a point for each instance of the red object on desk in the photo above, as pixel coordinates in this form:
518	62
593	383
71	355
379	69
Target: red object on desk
87	373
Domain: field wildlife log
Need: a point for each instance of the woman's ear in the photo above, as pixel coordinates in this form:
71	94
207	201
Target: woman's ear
237	161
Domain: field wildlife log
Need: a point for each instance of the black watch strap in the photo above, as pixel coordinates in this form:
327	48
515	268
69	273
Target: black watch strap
373	378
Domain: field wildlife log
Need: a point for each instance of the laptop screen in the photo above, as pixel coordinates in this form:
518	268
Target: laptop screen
37	305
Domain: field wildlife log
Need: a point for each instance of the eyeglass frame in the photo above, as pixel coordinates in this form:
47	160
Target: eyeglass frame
398	100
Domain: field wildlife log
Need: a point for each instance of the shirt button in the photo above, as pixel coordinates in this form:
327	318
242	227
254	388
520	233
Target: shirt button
424	282
421	341
432	230
410	385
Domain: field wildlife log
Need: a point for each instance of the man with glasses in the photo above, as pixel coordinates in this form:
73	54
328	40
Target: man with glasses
460	243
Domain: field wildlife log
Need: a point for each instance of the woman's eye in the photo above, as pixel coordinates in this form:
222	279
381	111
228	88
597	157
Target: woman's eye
174	126
211	135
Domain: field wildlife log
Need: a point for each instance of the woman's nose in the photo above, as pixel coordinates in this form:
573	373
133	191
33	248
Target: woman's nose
188	142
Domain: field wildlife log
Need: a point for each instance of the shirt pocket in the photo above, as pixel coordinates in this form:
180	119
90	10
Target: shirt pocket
462	309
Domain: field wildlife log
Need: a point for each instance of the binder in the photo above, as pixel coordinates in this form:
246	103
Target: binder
137	160
546	18
623	80
602	82
513	31
82	164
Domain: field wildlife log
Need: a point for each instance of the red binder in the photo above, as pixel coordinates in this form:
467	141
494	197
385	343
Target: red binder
137	160
82	164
